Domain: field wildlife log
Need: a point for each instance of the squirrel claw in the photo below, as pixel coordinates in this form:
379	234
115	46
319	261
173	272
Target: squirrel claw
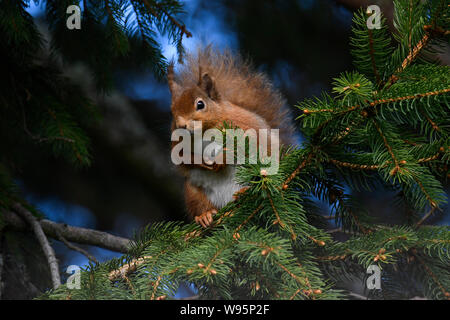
238	193
205	219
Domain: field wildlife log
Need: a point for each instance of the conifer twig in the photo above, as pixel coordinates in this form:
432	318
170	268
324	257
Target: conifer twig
127	268
39	138
75	248
298	169
155	287
377	102
411	56
389	149
430	30
425	217
431	274
427	196
279	221
428	159
332	258
61	132
355	165
372	57
248	218
290	273
433	124
157	282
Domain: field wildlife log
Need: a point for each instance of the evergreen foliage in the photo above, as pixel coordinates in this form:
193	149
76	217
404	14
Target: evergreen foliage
42	110
385	127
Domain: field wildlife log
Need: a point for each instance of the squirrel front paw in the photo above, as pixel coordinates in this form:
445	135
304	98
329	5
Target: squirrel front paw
205	219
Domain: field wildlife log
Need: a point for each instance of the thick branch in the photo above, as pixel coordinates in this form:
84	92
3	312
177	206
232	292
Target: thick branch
43	241
73	234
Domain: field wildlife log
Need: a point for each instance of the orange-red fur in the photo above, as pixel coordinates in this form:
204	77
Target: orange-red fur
233	92
196	200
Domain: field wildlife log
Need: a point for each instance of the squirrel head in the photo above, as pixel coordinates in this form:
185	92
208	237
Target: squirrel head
200	102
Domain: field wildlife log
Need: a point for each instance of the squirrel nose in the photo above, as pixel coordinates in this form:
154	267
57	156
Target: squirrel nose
181	122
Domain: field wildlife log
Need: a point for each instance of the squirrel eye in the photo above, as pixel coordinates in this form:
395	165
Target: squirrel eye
200	105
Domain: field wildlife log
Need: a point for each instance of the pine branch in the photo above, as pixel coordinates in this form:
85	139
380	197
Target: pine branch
432	275
411	57
425	217
355	165
372	57
379	102
389	149
302	165
413	30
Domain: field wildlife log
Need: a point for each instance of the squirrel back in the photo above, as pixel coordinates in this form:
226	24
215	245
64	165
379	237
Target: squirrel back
227	80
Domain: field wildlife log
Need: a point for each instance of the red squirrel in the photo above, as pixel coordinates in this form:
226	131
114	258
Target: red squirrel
216	87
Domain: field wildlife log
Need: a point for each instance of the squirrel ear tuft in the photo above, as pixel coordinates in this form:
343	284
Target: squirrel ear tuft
207	84
174	87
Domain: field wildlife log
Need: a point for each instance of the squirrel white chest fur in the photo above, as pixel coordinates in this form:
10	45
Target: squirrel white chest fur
219	187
